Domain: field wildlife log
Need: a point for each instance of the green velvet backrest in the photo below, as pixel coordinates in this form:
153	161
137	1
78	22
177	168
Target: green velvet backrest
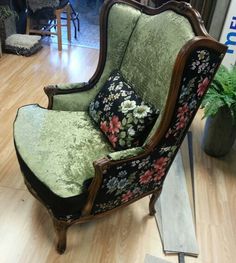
120	25
150	56
121	22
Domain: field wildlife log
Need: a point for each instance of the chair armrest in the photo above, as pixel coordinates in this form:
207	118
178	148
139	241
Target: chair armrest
70	97
125	154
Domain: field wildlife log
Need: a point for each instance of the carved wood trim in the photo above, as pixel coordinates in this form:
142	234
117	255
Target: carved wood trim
206	8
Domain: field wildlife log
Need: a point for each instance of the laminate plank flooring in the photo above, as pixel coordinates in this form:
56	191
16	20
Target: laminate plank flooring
127	235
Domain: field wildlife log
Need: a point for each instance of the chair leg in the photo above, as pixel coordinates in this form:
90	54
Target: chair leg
59	38
61	230
68	16
152	202
75	16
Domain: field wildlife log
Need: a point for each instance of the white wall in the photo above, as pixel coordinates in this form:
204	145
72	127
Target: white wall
228	35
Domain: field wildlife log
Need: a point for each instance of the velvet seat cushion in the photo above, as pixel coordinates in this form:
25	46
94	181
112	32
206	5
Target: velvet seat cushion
59	147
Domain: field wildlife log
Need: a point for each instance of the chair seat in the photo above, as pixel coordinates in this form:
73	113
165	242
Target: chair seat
59	147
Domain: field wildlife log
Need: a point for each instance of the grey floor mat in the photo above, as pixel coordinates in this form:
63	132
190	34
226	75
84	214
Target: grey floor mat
174	215
152	259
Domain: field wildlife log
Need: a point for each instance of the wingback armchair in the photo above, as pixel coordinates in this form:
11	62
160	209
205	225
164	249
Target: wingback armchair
67	162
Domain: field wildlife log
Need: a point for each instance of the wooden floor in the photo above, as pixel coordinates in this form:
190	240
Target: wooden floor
26	233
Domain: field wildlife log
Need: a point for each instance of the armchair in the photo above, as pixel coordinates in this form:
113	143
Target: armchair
66	162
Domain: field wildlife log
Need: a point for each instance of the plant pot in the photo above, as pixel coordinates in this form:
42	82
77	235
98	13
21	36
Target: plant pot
219	133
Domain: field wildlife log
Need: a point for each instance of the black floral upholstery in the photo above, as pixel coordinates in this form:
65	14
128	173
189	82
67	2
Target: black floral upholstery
122	183
122	115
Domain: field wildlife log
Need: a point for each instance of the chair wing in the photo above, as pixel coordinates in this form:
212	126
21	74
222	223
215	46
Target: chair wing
126	181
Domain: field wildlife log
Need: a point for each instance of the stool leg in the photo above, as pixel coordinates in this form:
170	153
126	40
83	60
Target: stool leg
28	25
59	38
68	16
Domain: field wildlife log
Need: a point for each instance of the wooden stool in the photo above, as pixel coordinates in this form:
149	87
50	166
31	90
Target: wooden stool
58	25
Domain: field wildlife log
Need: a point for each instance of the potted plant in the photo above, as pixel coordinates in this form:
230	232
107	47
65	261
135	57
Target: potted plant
219	106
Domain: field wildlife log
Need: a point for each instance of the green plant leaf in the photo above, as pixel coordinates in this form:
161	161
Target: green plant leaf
222	92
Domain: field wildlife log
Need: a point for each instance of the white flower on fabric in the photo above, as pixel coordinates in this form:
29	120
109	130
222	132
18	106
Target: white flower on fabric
116	78
201	54
141	111
116	96
119	86
107	107
112	86
131	131
128	105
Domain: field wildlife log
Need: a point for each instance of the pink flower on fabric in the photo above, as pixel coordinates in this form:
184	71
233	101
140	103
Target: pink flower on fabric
146	178
115	125
103	126
113	139
202	87
126	197
161	163
183	110
181	123
160	173
160	168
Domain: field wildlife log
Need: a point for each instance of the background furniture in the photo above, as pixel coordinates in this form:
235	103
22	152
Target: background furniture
7	23
56	147
42	20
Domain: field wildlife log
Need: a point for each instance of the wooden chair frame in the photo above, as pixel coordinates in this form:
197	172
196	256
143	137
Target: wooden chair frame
202	39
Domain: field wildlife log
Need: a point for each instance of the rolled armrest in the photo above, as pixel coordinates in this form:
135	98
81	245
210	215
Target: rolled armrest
129	153
70	97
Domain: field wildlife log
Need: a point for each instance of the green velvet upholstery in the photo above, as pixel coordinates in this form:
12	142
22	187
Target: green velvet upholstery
145	51
72	102
128	25
121	22
58	148
128	153
167	32
152	51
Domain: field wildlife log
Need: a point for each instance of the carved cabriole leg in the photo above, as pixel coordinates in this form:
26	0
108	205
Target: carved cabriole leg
152	202
61	230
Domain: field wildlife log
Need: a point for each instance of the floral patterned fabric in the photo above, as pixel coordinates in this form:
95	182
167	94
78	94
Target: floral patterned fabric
124	182
122	115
